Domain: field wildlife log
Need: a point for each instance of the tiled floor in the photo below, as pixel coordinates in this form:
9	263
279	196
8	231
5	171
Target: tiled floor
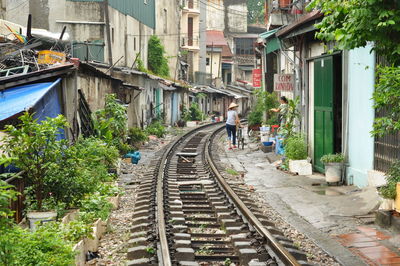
368	244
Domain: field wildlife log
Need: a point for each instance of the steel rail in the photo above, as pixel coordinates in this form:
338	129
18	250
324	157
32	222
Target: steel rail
165	259
272	243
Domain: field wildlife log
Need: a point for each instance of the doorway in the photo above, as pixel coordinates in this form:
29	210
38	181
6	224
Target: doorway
327	108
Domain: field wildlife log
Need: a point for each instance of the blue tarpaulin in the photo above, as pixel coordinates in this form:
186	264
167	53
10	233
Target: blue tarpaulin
22	98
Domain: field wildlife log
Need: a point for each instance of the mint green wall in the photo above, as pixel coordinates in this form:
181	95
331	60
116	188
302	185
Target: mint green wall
361	73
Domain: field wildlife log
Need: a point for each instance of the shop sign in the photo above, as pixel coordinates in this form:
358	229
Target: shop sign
257	78
284	82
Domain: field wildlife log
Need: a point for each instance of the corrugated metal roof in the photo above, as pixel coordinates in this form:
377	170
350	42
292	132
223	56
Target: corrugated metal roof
304	19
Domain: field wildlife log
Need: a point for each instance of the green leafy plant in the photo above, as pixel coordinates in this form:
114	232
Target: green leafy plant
332	158
232	171
7	194
227	262
195	114
353	23
255	117
110	123
140	65
387	98
97	206
296	147
42	247
157	129
150	250
392	178
33	147
137	135
76	230
292	114
157	61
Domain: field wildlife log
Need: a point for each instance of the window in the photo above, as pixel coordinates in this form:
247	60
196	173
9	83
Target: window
165	20
134	43
244	46
207	61
112	35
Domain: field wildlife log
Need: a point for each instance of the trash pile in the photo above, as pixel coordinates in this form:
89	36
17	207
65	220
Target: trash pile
24	49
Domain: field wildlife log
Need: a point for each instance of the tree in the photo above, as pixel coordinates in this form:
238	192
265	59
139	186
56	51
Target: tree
354	23
157	61
256	11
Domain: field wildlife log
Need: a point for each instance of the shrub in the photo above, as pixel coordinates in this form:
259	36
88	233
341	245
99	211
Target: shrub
42	247
33	147
255	117
195	113
392	178
332	158
7	194
157	129
157	62
137	135
296	148
110	123
95	206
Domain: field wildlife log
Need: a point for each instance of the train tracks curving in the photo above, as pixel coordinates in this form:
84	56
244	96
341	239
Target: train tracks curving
187	213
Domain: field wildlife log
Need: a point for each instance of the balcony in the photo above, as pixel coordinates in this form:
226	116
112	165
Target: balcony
190	43
191	7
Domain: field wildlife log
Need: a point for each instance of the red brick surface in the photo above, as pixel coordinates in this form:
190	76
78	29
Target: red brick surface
368	245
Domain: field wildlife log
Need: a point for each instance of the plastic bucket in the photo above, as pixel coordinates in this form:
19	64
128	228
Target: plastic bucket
333	172
35	218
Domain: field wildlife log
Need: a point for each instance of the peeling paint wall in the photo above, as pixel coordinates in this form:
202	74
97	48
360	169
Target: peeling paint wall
167	29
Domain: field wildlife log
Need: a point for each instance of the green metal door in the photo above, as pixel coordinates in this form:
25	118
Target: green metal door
323	110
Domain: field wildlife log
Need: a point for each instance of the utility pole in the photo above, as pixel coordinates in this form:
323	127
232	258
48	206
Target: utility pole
107	18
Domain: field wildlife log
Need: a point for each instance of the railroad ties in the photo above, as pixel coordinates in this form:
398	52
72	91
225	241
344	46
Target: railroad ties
184	215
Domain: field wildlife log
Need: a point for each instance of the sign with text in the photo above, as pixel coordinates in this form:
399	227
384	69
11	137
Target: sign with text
284	82
257	78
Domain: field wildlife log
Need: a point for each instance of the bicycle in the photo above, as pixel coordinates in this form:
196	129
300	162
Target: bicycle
240	137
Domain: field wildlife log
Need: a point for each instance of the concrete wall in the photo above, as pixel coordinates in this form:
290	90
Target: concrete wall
17	11
361	80
215	58
168	16
215	15
228	15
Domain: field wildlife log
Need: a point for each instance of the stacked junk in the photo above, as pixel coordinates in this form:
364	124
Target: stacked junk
24	49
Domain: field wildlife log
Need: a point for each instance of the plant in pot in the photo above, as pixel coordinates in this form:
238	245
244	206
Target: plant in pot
34	148
389	192
296	152
333	167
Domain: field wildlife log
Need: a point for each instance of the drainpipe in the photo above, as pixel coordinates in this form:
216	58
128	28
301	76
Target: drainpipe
107	18
345	117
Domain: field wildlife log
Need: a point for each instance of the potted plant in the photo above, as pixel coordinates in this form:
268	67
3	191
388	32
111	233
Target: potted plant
296	152
34	148
389	191
333	167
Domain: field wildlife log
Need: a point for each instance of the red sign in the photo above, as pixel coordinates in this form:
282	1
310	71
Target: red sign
284	82
257	78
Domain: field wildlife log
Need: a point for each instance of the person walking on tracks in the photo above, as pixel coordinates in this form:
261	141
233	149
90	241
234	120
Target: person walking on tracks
231	123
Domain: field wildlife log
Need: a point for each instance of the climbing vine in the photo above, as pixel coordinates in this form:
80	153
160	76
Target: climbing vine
157	60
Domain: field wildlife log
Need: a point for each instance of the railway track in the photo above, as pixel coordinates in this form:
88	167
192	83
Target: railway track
187	213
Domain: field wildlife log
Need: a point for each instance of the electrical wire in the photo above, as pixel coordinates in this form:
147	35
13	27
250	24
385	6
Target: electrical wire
11	9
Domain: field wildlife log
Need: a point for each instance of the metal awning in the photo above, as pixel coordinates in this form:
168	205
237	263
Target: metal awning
272	41
18	99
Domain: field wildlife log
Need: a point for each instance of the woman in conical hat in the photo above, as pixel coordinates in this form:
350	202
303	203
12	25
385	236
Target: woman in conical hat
231	122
